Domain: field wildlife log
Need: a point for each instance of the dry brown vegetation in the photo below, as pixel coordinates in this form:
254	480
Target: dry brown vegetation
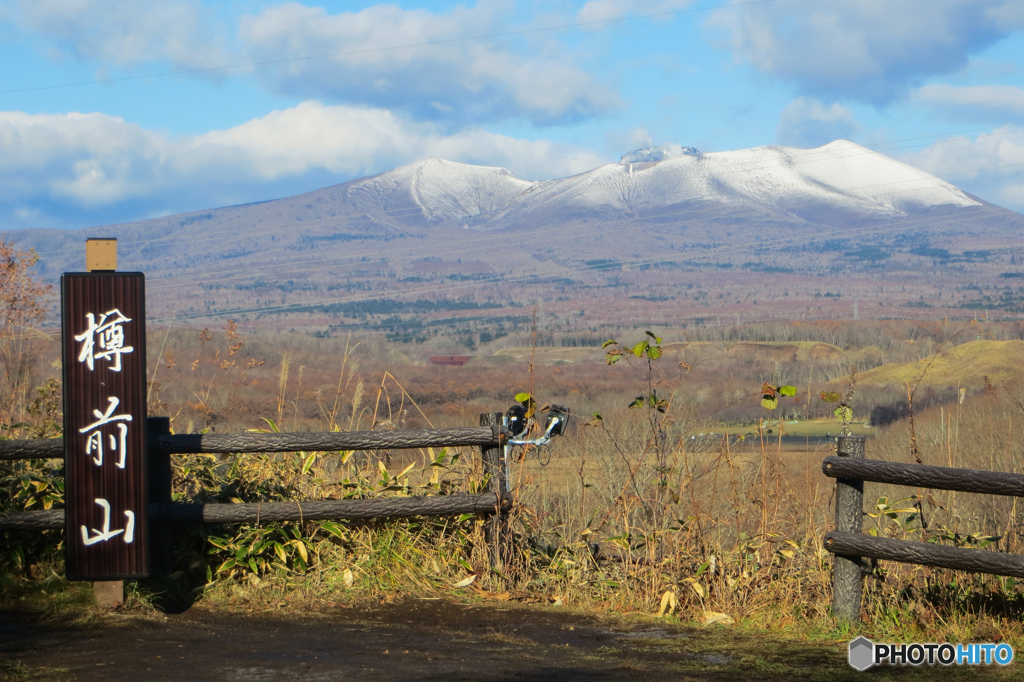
702	511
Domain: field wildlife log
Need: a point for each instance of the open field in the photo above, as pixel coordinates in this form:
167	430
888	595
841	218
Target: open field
724	525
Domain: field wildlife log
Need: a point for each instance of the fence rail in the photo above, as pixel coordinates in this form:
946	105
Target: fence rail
255	512
926	554
489	437
922	476
214	443
850	546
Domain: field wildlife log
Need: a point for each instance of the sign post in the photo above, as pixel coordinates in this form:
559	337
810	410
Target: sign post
104	359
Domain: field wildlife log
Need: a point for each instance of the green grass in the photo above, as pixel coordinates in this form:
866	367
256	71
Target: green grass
822	427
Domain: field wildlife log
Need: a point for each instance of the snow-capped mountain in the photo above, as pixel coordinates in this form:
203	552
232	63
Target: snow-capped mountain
842	176
653	203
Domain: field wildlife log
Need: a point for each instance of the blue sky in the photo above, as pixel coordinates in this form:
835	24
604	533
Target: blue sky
93	131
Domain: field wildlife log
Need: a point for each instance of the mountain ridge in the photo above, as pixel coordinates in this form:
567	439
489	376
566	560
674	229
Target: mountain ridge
692	228
840	174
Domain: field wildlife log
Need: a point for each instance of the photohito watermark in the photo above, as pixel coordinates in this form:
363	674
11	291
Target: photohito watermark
864	653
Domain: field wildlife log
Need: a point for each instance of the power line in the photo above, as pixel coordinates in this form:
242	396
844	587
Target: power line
568	233
367	216
478	244
503	279
369	50
563	270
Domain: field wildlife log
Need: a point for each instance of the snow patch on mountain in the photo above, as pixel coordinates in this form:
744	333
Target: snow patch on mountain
445	190
840	175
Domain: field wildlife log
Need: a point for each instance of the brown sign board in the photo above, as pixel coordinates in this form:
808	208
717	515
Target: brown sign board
103	335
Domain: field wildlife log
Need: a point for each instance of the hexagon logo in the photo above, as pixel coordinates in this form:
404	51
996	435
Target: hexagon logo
862	653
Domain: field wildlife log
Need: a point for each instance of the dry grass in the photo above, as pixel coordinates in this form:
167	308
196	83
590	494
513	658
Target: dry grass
688	528
965	365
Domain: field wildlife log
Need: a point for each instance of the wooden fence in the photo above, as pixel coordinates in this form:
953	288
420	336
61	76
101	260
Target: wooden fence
850	546
162	444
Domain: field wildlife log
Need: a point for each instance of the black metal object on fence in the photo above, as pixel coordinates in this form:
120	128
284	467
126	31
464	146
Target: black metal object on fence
849	546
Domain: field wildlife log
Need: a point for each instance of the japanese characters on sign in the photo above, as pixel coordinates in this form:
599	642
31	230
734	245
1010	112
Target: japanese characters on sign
104	424
107	335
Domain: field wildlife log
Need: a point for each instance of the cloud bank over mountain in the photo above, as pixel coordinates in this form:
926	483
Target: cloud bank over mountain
57	164
121	109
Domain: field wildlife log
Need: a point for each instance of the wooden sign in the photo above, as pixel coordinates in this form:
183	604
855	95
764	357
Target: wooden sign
103	332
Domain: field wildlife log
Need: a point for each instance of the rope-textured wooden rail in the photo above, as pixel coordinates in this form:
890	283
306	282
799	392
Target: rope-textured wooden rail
178	444
904	551
49	448
253	512
919	475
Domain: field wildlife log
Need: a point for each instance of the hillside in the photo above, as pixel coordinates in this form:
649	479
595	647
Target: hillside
965	365
438	247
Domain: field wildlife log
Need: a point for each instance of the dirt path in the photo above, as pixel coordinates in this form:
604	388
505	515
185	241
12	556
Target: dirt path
414	640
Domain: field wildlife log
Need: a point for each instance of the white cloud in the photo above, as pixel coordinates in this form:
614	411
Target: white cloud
90	159
357	57
1007	98
989	166
467	80
95	161
127	32
871	50
808	123
358	141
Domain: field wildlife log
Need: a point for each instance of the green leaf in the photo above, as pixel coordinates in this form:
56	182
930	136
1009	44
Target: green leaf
769	402
609	342
334	529
308	464
657	339
844	413
522	397
638	349
830	397
654	352
787	390
637	402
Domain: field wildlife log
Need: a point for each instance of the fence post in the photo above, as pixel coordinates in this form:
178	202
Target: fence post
162	534
494	471
847	578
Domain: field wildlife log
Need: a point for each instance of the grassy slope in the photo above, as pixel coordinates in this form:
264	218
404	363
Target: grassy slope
964	365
